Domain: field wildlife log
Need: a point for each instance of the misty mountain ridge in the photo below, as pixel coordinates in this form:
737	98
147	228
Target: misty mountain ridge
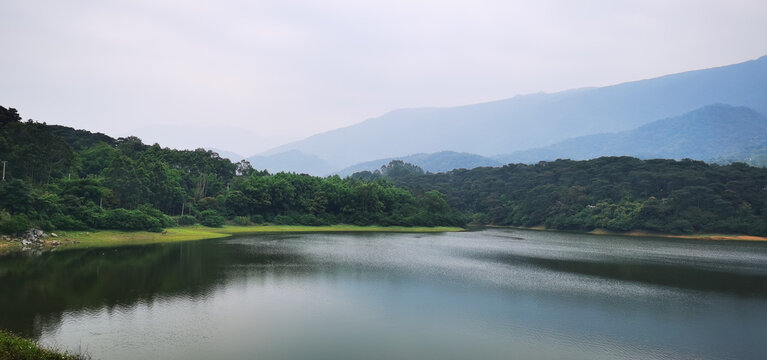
442	161
232	156
291	161
531	121
712	132
224	139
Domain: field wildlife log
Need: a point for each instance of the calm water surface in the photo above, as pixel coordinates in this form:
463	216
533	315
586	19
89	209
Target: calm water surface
492	294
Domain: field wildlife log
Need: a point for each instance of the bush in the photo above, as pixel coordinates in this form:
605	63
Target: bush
91	215
680	226
121	219
67	222
311	220
184	220
284	220
241	220
15	224
211	218
257	219
165	220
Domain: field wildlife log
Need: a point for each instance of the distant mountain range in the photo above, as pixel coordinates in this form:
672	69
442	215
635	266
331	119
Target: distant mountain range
531	121
232	156
715	132
227	140
437	162
291	161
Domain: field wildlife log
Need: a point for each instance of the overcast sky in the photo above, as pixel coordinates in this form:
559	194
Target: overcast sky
287	69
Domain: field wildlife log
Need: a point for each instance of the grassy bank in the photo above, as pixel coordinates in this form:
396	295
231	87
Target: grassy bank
730	237
685	236
16	348
113	238
9	246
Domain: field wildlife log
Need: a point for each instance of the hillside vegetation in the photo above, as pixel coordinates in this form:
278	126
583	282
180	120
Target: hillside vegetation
61	178
442	161
613	193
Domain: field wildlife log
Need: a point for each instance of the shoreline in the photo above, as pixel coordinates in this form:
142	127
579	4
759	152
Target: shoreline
638	233
115	238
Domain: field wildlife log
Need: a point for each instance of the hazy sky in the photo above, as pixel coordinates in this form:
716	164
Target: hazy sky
287	69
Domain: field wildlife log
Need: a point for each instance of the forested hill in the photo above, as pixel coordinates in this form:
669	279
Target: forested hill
61	178
614	193
436	162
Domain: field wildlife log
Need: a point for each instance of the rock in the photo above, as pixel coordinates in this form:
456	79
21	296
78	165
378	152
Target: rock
55	243
26	242
54	235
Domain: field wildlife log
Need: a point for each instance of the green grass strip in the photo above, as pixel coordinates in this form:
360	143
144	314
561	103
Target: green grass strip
113	238
13	347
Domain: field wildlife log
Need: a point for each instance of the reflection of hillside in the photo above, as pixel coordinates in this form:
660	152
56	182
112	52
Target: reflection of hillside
679	275
36	290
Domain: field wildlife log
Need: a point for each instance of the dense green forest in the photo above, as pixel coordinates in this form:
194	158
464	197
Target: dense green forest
60	178
613	193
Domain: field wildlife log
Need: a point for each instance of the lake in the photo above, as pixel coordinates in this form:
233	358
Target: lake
490	294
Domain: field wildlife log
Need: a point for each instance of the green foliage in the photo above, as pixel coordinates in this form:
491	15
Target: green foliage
67	222
241	221
165	220
34	153
94	181
211	218
122	219
16	348
399	168
9	115
257	219
394	169
185	220
207	203
15	196
14	224
613	193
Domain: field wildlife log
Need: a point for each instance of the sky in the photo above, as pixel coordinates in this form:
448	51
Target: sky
282	70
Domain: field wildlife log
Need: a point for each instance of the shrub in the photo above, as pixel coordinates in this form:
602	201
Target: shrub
67	222
211	218
121	219
184	220
165	220
309	219
257	219
91	215
285	220
15	224
241	220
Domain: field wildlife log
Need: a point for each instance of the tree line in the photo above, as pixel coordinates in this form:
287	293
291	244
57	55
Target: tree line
613	193
61	178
